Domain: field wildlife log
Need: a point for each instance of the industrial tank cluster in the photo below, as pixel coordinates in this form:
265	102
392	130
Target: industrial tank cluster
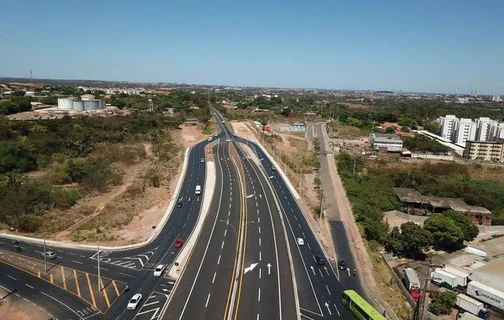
86	103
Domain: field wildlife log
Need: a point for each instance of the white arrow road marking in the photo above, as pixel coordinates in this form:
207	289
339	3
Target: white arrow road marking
326	270
328	310
312	269
251	267
250	196
269	268
271	177
166	290
348	270
260	196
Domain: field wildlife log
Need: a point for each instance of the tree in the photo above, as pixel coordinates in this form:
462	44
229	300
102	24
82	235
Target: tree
393	242
414	239
468	228
285	112
375	230
443	302
446	234
390	130
51	100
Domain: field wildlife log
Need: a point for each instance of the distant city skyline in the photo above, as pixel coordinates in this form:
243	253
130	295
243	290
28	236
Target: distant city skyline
428	46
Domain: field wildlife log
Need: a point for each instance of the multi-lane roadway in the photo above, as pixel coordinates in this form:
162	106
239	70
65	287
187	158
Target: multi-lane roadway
246	263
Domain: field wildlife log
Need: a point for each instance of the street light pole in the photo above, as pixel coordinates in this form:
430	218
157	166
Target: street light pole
98	259
321	207
45	258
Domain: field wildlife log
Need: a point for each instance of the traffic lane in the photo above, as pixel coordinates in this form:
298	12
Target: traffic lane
216	273
216	220
56	300
260	293
283	266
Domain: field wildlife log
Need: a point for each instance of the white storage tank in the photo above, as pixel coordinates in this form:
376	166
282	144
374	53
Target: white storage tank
78	106
85	97
65	103
91	104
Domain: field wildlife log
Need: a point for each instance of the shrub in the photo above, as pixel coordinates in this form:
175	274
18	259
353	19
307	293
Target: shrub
443	303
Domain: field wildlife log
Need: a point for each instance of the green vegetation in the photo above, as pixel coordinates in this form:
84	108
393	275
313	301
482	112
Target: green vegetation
80	155
370	189
423	143
443	303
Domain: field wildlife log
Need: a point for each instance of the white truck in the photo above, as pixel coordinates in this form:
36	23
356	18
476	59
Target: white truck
473	306
444	279
462	275
486	294
412	283
198	189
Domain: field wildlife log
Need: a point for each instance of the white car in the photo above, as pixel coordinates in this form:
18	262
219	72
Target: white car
134	301
49	255
202	160
300	241
159	270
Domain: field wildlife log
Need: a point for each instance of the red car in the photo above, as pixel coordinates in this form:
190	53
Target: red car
179	243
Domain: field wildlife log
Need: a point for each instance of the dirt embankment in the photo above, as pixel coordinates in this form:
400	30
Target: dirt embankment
129	212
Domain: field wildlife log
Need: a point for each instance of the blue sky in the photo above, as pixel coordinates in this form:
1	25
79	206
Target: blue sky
428	46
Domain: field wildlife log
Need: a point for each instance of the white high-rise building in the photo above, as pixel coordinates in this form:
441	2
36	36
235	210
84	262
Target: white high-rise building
446	125
497	131
483	130
464	130
496	98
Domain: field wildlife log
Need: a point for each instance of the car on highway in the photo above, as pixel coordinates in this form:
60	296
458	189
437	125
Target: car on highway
134	301
179	243
320	260
202	160
342	264
300	241
159	270
49	255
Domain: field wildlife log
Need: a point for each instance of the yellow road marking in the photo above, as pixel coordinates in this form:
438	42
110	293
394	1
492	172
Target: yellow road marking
63	276
91	290
77	284
237	245
104	293
115	288
244	204
52	278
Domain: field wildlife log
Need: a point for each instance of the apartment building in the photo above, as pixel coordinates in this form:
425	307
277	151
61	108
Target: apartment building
484	150
446	125
464	129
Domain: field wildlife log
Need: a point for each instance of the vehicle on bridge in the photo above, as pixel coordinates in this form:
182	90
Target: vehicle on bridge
159	270
360	308
179	243
198	189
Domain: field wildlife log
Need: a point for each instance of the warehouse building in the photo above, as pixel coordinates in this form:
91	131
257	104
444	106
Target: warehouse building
388	141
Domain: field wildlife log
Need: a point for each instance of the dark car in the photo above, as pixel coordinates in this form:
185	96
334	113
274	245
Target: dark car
342	264
320	260
179	204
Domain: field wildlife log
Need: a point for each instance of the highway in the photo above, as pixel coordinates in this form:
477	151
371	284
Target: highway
319	287
78	267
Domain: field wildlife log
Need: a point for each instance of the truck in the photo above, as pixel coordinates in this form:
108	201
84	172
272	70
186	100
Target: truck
473	306
198	189
462	275
210	139
467	316
412	283
444	279
486	294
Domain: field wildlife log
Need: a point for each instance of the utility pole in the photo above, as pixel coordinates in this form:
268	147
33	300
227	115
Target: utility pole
354	163
45	258
321	208
99	277
143	211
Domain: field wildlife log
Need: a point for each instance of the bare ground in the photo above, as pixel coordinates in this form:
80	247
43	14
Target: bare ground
125	214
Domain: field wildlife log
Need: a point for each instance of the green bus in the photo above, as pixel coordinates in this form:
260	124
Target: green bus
359	307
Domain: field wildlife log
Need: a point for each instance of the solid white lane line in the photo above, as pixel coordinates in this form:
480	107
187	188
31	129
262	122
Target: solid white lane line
222	245
77	262
208	299
218	260
225	232
127	275
259	295
295	217
260	273
12	277
259	229
214	275
26	284
260	255
259	242
299	225
258	219
303	234
309	247
328	289
257	318
334	304
321	274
